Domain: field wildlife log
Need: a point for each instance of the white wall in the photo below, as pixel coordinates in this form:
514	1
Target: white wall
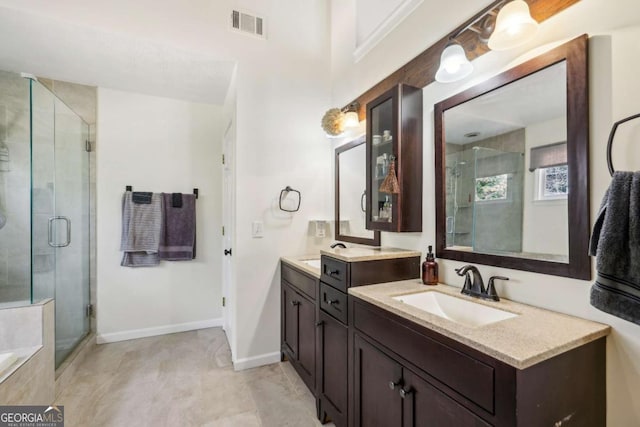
615	88
553	238
282	92
160	145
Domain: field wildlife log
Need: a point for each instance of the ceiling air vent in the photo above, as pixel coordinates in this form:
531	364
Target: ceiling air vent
247	23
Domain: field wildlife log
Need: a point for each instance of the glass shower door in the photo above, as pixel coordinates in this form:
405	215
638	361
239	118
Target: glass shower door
60	203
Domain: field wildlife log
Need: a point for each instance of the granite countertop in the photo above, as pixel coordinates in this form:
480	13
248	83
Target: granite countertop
533	336
356	254
298	262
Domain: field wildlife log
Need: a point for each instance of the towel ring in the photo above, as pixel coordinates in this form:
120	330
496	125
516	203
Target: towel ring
283	194
612	135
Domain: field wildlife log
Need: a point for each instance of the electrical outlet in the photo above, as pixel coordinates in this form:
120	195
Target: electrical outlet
257	229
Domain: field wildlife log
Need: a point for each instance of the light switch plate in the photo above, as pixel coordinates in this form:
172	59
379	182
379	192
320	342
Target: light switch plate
257	229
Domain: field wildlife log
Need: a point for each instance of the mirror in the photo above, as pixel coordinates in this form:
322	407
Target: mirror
351	195
512	168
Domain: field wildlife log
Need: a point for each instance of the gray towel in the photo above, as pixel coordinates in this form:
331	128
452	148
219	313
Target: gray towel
616	244
178	241
141	229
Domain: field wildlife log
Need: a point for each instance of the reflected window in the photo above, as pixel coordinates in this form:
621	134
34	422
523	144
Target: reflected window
552	183
491	188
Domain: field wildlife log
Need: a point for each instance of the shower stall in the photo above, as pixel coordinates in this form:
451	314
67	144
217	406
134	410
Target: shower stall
484	186
44	206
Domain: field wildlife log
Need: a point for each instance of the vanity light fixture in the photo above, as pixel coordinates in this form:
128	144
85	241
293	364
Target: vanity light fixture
454	64
514	26
351	119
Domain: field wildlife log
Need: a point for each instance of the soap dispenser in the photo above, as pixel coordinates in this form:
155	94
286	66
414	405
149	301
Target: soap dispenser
430	269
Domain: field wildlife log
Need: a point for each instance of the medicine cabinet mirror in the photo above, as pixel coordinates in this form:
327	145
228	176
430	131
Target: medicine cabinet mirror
351	198
512	168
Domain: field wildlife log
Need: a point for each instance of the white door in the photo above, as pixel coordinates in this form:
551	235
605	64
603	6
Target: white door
228	218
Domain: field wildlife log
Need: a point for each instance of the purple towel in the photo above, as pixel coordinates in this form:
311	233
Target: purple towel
178	239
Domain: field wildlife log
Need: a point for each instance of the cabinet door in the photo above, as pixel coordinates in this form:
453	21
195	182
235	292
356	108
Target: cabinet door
290	321
307	339
426	406
382	152
394	138
378	381
334	354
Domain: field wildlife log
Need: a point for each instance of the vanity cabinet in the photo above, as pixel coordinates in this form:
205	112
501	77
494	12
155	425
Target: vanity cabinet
298	322
406	375
333	369
394	134
336	277
389	394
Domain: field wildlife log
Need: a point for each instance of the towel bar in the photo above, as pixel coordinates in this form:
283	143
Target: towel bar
130	188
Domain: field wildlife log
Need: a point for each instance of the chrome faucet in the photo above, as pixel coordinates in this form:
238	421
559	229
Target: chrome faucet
476	287
342	245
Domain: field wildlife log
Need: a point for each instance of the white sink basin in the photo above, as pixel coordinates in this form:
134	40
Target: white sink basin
315	263
455	309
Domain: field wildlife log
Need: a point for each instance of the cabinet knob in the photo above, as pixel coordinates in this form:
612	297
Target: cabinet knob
294	303
405	392
334	272
333	301
393	384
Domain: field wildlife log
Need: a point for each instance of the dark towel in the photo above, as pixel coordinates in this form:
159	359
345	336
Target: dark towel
142	198
178	239
141	231
176	200
616	244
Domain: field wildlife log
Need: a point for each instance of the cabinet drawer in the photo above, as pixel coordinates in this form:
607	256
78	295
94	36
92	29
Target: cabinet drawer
334	302
300	281
462	373
335	273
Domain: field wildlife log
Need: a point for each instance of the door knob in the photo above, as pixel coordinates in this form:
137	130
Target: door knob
227	251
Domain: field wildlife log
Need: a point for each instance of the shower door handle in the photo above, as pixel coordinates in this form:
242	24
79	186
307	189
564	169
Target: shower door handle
51	239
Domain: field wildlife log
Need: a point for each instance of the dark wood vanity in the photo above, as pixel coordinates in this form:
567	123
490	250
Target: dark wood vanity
370	366
407	375
337	276
314	323
299	312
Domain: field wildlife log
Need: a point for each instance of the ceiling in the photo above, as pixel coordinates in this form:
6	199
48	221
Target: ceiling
110	56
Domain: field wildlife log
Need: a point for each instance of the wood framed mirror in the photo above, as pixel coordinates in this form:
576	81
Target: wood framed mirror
351	197
512	172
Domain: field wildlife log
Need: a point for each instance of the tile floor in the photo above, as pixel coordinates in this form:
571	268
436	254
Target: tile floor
182	380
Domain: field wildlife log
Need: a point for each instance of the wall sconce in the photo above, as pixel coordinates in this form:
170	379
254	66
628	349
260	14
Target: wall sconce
335	121
513	27
351	119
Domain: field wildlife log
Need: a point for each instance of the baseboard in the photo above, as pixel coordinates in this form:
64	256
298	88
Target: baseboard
158	330
254	362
